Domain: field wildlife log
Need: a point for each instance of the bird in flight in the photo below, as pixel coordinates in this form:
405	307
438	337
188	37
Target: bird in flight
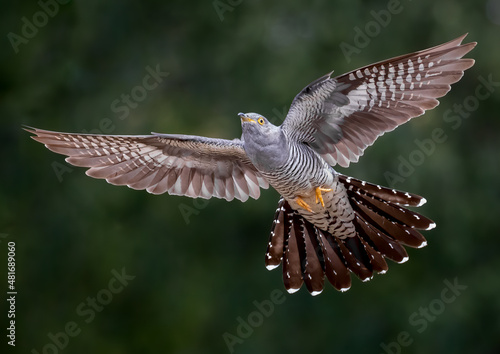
327	224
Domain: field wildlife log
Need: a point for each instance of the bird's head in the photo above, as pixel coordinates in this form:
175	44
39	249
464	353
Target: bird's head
255	126
264	142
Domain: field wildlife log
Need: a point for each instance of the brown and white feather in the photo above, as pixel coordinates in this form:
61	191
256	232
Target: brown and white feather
339	117
177	164
382	227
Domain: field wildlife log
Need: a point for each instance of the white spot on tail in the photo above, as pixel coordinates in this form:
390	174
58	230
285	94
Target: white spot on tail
404	260
431	226
271	266
314	293
292	290
423	244
422	202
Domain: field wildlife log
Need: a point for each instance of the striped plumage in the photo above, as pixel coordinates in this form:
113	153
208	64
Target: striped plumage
288	179
327	224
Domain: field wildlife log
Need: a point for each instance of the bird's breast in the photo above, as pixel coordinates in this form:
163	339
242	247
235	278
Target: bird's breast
301	173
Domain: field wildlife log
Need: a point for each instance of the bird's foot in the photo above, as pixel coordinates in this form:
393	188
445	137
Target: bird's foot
303	204
319	196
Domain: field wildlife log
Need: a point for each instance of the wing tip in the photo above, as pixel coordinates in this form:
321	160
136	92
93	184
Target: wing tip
462	37
29	129
457	41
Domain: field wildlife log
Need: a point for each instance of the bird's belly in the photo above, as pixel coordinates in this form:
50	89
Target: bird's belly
303	184
336	216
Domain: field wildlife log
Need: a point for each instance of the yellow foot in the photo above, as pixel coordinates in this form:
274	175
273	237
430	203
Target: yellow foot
303	204
319	197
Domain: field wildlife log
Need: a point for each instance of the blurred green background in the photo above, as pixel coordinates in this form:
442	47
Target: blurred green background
196	275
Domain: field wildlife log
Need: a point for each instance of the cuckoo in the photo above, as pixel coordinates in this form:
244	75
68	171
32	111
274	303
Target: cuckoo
327	225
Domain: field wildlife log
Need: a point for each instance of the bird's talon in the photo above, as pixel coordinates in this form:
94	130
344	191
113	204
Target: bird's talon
319	196
303	204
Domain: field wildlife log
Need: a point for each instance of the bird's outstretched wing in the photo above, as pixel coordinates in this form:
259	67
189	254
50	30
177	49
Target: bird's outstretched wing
339	117
178	164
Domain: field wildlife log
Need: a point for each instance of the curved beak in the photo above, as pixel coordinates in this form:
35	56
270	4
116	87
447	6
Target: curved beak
244	118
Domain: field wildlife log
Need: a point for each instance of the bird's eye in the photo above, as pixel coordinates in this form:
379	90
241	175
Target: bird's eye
260	121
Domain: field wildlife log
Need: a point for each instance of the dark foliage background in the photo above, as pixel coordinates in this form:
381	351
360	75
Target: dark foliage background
195	277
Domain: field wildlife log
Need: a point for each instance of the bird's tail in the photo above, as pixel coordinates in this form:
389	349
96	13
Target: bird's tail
383	227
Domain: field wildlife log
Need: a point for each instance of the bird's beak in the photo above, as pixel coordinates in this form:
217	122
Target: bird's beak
244	118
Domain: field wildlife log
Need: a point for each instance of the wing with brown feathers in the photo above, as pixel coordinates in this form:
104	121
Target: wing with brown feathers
178	164
339	117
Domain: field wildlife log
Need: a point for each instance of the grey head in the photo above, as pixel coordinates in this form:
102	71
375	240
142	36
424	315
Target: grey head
264	142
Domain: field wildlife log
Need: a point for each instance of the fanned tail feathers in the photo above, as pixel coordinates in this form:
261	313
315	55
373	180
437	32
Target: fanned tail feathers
383	227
